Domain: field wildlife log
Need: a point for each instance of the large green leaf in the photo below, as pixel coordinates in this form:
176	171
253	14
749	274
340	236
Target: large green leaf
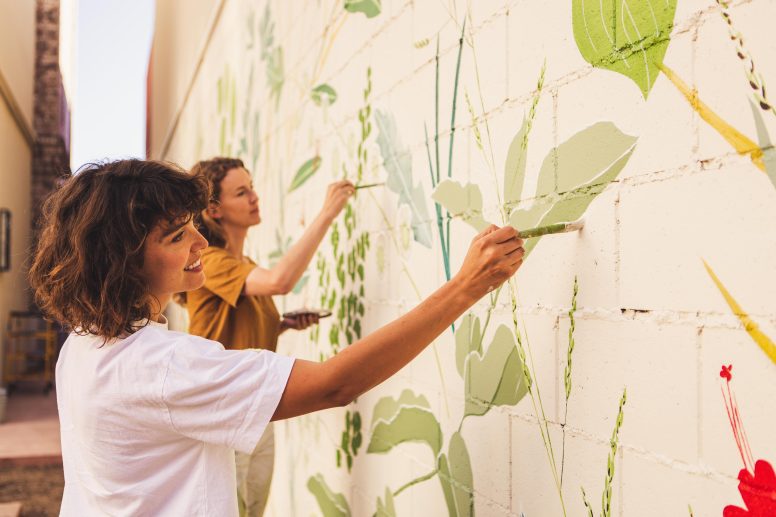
514	167
764	141
629	37
323	95
495	377
455	476
573	174
305	172
468	338
331	504
370	8
406	419
398	163
464	201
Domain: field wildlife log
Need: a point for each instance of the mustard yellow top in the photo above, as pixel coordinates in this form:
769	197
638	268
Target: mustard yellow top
218	310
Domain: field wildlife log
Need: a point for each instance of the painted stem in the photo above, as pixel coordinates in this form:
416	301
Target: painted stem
445	256
740	142
415	481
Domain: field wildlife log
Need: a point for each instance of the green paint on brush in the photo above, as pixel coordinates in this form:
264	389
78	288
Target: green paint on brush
551	229
629	37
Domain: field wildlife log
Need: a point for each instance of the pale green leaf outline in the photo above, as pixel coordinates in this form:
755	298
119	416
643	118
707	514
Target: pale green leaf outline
332	504
514	166
456	478
397	161
464	201
411	424
493	377
629	37
468	339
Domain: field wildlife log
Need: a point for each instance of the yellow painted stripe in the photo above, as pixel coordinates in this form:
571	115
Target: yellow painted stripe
763	341
740	142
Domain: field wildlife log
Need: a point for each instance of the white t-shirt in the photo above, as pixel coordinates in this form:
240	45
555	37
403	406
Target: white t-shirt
150	423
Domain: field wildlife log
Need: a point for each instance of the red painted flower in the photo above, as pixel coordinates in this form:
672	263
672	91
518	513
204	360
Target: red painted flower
758	492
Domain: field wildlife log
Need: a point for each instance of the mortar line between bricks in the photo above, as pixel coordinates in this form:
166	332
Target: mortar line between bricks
639	452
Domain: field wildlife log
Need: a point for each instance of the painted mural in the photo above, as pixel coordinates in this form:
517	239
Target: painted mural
582	386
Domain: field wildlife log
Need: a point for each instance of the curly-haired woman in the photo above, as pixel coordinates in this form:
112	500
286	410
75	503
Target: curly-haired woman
235	305
150	417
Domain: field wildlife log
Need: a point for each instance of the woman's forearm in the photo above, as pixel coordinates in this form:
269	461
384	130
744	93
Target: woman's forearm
370	361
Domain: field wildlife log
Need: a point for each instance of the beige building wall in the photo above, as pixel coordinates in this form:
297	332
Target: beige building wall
17	61
178	46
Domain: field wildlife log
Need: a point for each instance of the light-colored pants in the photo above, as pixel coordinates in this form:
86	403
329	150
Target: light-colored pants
254	475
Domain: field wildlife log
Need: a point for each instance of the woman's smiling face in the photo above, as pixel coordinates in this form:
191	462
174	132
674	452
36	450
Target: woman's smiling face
238	203
171	259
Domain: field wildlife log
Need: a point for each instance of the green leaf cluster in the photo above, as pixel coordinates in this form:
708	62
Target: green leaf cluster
350	440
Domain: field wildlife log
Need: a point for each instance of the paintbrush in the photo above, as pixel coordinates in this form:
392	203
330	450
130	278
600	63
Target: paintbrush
550	229
369	185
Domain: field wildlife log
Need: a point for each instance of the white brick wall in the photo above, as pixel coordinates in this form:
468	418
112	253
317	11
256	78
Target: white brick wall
649	316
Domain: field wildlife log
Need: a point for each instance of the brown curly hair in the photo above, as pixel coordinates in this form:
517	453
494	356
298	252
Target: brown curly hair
86	271
214	171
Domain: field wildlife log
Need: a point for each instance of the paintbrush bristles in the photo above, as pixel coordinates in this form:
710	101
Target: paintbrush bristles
369	185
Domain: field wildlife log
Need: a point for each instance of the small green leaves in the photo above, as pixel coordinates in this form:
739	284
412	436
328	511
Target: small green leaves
406	419
331	504
350	440
629	37
305	172
463	201
323	95
370	8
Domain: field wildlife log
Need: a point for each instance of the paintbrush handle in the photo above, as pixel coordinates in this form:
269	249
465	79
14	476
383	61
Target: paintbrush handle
551	229
369	185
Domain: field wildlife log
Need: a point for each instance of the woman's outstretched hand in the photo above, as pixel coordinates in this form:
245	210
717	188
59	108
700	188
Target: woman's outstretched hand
494	255
337	196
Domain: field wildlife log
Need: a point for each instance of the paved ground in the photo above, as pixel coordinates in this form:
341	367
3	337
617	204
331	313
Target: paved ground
30	455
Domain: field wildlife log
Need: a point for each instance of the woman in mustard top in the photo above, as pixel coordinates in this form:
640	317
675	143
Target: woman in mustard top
234	306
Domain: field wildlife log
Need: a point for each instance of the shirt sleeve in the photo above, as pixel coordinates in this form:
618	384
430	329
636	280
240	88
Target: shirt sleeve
225	275
224	397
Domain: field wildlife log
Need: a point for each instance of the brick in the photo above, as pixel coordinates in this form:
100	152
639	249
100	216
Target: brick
701	217
655	362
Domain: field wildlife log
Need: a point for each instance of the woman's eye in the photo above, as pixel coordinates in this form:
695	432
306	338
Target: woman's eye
178	237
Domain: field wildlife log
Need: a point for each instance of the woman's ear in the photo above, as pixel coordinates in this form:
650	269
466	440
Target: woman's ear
214	210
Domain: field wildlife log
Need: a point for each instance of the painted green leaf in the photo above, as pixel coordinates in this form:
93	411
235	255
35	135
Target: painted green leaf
406	419
514	167
468	339
764	141
464	201
386	508
398	163
275	73
578	170
629	37
494	378
455	476
370	8
305	172
387	407
331	504
323	95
